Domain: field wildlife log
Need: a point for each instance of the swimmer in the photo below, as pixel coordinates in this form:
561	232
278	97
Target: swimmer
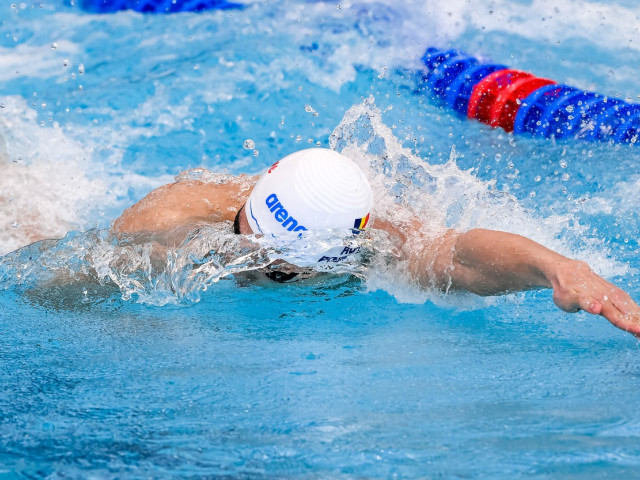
319	189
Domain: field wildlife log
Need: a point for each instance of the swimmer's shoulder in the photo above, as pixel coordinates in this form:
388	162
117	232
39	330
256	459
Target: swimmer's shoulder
222	195
214	198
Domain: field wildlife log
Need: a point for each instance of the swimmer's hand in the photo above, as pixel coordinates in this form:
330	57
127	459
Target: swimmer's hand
576	287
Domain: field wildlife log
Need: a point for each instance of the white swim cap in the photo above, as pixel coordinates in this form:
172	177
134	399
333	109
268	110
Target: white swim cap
313	189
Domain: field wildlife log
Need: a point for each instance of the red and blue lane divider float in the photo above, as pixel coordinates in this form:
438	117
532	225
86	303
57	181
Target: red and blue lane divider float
520	102
156	6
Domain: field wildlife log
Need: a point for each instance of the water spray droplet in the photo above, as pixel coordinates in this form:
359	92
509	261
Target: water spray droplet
309	109
249	144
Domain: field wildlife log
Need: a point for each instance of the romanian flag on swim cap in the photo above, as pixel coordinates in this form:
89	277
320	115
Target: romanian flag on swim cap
361	223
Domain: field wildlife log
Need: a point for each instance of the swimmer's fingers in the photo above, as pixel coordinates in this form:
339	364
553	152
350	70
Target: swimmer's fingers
622	311
581	289
614	304
590	304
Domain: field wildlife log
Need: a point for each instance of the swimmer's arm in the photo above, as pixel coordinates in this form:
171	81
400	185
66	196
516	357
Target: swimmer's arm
488	262
183	202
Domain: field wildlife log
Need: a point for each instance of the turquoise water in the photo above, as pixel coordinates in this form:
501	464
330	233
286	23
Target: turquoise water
149	373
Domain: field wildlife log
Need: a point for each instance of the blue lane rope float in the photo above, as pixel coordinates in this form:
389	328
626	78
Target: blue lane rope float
531	115
523	103
156	6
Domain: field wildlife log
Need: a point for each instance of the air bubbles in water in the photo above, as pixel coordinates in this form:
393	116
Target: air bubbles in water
309	109
54	45
81	69
249	144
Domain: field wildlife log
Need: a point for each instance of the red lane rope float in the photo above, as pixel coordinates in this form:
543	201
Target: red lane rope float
506	105
486	91
496	98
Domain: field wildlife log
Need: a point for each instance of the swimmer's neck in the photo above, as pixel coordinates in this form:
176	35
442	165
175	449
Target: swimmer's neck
241	222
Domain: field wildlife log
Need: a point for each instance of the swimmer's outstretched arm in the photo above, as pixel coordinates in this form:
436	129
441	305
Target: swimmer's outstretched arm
488	262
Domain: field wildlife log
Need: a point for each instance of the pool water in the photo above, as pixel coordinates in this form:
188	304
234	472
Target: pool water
133	373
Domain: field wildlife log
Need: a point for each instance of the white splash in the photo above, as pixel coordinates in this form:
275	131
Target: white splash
45	189
443	196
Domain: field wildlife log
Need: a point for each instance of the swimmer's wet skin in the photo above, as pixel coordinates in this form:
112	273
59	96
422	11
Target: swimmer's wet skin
319	189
